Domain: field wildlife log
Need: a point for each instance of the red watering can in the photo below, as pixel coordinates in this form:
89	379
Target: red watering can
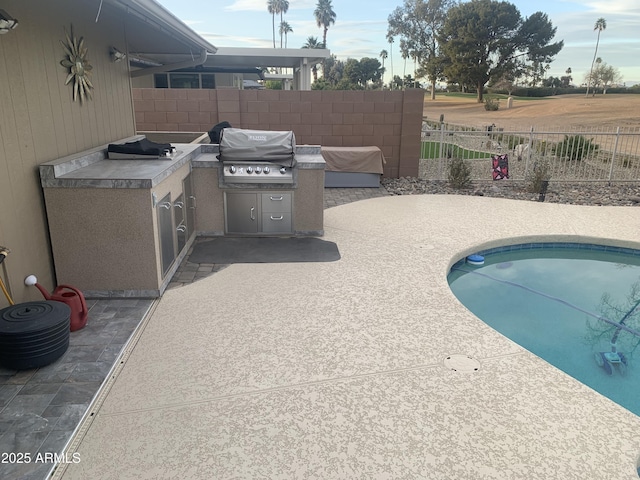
69	295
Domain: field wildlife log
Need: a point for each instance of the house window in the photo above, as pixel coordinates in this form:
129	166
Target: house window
208	80
184	80
160	80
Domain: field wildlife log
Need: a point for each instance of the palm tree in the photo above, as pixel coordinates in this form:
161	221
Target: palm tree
283	7
312	42
601	24
598	76
391	60
284	29
383	55
404	52
272	8
325	17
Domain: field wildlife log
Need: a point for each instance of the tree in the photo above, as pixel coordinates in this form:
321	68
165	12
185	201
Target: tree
603	76
383	55
390	39
272	8
553	83
333	70
312	42
484	39
410	82
282	7
505	82
609	76
285	28
593	77
360	73
601	24
566	80
418	23
404	53
325	17
396	82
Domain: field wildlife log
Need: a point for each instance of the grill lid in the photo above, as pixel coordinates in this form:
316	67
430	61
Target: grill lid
241	145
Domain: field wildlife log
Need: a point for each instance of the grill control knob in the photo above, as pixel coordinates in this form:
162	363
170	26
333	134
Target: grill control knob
249	169
258	169
283	170
232	169
266	170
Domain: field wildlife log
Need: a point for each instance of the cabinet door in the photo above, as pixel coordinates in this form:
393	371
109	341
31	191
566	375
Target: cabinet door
179	220
241	212
190	206
165	226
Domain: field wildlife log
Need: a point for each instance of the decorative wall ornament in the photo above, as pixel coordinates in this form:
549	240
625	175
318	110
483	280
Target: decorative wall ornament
7	22
78	65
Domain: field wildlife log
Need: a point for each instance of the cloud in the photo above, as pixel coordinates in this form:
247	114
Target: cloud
245	5
236	41
626	7
260	5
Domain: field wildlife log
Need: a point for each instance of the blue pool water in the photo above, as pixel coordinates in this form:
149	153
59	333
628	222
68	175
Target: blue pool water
566	303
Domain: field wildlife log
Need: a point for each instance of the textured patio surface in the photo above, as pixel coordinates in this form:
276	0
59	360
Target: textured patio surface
336	370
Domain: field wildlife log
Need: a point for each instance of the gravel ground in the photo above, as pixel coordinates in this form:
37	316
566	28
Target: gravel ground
625	194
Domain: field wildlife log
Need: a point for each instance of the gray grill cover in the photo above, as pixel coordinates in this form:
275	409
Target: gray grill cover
237	145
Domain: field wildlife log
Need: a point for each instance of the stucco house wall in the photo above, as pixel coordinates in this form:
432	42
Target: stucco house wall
39	121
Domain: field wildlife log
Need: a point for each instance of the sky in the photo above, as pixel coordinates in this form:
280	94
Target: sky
361	27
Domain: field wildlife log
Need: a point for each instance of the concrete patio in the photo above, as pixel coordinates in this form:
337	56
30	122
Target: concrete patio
336	370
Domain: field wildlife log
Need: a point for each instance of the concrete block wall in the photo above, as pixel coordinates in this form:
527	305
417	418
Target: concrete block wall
390	120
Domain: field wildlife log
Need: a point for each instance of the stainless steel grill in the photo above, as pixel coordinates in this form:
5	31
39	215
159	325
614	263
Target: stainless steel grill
257	156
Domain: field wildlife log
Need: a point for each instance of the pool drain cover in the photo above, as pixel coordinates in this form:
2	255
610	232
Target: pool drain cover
462	363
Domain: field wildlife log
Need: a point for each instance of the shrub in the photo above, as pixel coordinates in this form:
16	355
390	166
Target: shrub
535	181
491	104
513	140
542	146
627	162
459	174
575	147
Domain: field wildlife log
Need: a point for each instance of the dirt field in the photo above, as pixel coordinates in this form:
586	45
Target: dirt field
571	111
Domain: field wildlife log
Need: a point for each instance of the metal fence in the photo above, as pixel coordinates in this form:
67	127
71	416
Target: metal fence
576	155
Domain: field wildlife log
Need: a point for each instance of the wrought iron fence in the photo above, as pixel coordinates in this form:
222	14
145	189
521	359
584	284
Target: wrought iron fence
575	155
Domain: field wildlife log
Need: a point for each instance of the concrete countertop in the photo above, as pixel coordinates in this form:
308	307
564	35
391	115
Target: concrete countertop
91	169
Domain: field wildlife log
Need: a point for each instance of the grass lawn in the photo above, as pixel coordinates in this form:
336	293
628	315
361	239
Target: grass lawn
432	150
472	97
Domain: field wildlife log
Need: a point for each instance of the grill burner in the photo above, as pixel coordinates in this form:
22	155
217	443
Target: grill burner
257	156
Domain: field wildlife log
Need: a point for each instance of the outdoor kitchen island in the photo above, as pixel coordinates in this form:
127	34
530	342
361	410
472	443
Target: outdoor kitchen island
120	228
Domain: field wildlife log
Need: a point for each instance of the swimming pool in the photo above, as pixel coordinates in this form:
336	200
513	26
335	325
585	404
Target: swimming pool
577	306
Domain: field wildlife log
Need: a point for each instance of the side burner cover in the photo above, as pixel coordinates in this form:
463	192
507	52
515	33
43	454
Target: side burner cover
241	145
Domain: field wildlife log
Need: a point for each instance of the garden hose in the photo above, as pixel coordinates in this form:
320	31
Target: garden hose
4	251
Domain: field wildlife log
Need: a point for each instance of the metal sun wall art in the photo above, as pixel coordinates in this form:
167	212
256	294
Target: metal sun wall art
78	65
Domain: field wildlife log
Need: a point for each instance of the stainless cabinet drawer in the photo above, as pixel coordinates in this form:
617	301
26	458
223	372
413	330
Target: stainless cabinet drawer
276	202
276	222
